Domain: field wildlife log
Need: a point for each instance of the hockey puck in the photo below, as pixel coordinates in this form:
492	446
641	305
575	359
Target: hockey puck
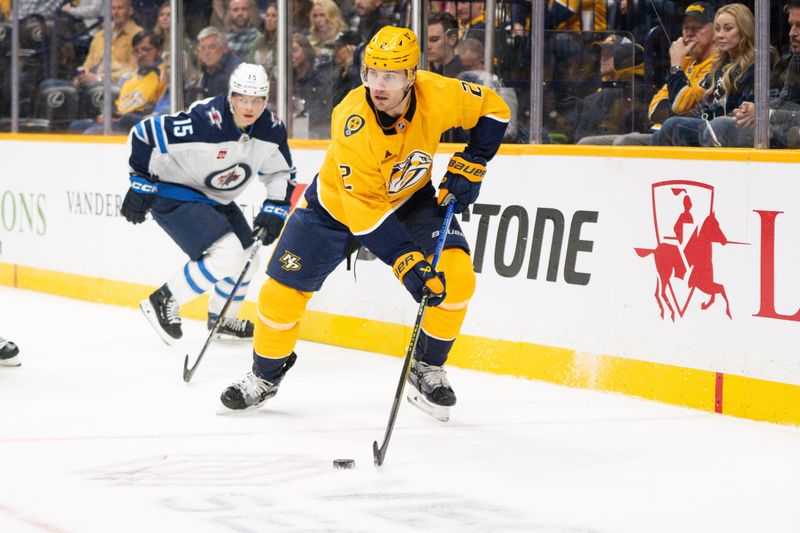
344	464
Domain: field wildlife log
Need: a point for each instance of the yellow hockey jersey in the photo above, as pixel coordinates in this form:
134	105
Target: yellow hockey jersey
369	170
142	91
683	96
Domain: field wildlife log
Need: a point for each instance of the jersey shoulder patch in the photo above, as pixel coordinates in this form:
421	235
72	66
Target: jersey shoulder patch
353	124
209	112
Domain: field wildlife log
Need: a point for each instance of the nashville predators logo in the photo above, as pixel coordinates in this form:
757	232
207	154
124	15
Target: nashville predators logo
352	125
290	261
410	171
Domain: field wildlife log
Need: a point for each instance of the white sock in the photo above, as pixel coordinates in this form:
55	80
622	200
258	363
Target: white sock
223	259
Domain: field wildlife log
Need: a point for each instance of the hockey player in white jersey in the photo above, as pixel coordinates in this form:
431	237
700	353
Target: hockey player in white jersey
9	353
186	170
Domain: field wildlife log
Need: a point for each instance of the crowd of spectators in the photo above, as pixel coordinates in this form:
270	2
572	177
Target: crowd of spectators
665	72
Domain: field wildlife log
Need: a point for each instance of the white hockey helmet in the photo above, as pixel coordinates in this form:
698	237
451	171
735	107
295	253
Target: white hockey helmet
249	80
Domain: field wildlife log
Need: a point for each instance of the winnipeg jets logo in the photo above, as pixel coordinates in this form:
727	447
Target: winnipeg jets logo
290	261
410	171
276	121
215	117
229	178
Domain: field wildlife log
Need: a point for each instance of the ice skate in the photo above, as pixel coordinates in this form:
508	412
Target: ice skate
9	353
429	390
161	310
236	329
252	391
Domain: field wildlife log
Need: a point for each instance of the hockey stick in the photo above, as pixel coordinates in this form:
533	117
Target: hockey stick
379	453
189	372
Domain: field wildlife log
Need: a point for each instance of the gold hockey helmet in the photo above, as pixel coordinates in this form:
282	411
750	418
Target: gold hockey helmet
392	49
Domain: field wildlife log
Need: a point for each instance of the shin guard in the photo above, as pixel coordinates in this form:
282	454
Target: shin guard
442	324
222	289
280	309
224	258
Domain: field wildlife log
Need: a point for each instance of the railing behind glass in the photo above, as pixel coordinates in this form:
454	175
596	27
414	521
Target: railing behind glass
580	100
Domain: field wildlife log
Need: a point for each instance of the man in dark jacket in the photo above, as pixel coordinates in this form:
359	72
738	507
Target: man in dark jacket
370	18
216	64
442	41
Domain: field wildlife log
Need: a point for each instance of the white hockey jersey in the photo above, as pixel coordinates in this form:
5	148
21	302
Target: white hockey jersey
201	155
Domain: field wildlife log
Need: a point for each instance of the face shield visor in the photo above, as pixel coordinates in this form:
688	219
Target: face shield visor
386	80
247	109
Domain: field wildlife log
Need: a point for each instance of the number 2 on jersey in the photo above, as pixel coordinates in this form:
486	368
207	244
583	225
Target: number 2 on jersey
345	171
470	88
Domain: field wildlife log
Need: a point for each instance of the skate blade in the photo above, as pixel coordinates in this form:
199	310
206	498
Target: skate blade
439	412
224	337
11	361
150	314
222	410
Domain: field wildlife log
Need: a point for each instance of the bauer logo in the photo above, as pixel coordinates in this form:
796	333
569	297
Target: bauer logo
686	230
229	179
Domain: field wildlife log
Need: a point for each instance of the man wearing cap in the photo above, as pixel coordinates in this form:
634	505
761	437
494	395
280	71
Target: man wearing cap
618	104
344	76
691	56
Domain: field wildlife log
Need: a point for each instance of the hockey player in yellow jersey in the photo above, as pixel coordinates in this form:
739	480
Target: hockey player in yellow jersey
374	189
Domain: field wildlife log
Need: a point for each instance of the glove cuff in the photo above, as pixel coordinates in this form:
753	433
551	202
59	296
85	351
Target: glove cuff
142	185
472	168
276	208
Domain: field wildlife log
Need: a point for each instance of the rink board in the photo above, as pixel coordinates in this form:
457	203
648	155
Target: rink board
570	246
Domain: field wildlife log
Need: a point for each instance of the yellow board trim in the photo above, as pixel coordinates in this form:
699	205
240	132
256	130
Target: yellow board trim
761	400
743	397
566	150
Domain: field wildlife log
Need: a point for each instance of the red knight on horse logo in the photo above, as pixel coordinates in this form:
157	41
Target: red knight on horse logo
686	227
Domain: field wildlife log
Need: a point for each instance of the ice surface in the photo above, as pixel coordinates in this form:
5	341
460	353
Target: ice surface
98	433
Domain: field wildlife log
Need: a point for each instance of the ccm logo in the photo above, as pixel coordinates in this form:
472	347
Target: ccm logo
467	169
145	188
276	210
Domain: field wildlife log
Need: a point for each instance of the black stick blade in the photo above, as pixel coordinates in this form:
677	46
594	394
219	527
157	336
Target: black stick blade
187	374
376	453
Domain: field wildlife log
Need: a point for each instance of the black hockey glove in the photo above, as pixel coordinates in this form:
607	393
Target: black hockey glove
462	180
418	275
272	217
138	200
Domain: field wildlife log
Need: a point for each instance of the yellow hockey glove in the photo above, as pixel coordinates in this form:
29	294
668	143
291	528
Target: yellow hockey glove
417	275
